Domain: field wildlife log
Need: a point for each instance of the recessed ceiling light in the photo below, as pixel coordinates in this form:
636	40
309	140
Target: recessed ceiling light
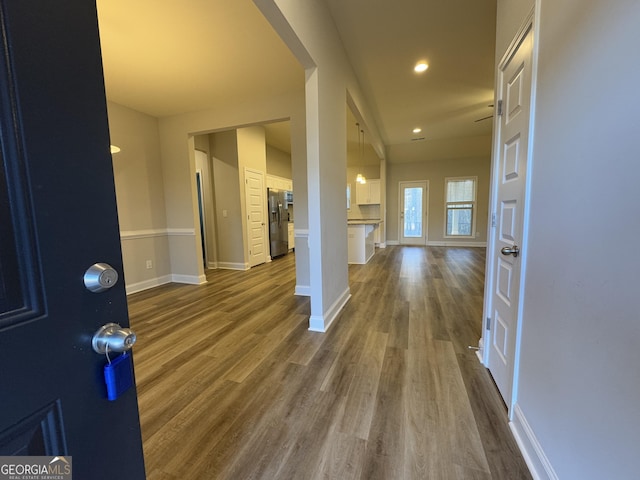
114	148
417	130
421	67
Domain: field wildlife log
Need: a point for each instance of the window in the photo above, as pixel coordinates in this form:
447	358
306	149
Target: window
460	205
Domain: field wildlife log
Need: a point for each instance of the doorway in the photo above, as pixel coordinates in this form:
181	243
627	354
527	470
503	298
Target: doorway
413	214
203	231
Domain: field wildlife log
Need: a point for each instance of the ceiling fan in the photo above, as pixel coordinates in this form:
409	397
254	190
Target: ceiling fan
485	118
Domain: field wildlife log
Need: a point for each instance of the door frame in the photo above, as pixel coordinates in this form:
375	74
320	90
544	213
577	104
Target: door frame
425	206
530	25
202	214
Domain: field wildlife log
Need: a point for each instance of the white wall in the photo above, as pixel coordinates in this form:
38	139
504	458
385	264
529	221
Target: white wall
510	16
278	162
226	174
435	172
176	141
307	28
579	386
140	197
252	153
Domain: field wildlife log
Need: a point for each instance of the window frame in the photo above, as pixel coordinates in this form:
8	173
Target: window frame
474	205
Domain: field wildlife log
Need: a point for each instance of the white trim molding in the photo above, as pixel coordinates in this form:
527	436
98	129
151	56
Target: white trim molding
181	232
303	290
157	232
321	323
233	266
532	451
456	244
156	282
444	244
189	279
147	284
135	234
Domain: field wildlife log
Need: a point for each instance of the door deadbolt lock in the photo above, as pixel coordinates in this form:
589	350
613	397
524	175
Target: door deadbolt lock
113	338
100	277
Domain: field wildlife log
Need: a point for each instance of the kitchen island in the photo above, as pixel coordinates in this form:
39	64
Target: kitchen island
361	240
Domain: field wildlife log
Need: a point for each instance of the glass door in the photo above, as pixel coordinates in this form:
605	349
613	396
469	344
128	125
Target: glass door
413	213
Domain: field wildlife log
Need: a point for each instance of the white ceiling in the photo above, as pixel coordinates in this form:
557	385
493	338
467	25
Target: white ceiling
165	58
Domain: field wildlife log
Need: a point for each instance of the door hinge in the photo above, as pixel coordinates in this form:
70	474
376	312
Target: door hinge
499	108
488	323
493	220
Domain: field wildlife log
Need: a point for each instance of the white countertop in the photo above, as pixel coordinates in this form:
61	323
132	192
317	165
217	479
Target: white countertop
364	221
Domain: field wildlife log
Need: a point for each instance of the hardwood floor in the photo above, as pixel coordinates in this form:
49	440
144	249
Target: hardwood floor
232	385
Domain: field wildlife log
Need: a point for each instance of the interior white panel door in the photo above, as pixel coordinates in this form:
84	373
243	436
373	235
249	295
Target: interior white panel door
255	193
515	91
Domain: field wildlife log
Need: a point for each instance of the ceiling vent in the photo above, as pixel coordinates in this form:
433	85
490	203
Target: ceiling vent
419	139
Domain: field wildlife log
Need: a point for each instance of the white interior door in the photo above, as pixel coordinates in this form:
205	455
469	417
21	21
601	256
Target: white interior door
255	193
413	213
511	168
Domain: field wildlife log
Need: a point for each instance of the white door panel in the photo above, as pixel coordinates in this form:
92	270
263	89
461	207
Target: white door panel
511	163
255	194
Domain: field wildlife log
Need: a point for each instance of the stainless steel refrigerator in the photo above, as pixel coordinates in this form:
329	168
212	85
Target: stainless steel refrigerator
278	222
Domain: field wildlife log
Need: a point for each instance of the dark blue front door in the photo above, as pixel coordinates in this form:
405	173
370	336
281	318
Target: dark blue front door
57	218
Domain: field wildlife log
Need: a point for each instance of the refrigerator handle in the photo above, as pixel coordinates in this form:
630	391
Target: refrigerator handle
279	214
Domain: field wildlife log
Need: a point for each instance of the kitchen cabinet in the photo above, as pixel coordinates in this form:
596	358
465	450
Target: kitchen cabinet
360	241
368	193
360	246
280	183
377	234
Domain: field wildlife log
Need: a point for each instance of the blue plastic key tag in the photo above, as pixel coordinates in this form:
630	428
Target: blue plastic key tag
118	375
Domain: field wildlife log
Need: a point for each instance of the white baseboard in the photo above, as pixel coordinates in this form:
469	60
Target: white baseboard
147	284
156	282
480	351
321	323
189	279
233	266
303	290
212	265
456	243
531	449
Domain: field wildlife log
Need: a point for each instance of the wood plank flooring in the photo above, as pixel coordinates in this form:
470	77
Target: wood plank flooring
232	385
